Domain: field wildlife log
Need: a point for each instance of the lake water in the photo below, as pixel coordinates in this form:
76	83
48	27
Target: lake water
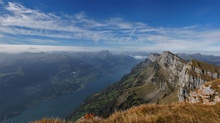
64	105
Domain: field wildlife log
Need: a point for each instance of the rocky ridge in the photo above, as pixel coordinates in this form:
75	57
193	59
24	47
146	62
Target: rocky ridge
162	79
188	76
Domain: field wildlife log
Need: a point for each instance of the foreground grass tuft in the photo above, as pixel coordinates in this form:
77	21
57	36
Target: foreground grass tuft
152	113
173	113
50	120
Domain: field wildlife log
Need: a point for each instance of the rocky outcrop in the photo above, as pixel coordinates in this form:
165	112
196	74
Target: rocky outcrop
208	93
88	117
185	76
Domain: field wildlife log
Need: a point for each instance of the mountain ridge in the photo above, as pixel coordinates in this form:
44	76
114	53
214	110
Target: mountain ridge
162	78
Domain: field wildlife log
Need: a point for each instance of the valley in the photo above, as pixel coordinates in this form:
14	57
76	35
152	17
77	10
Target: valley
43	81
30	78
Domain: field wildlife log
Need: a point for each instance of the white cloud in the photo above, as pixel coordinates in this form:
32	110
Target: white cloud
42	48
43	41
21	21
139	57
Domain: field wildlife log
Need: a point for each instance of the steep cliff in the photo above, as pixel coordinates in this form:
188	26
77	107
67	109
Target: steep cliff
185	76
162	78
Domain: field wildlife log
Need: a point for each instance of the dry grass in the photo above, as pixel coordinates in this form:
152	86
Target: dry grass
50	120
152	113
173	113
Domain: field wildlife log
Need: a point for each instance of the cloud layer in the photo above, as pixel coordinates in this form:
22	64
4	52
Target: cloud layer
24	26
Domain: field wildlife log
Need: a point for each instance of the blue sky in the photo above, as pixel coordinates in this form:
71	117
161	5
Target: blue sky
117	25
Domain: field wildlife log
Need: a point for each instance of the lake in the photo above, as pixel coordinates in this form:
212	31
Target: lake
64	105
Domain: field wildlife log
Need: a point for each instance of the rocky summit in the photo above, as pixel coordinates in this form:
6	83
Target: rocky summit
162	79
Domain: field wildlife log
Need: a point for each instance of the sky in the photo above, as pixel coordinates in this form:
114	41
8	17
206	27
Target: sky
118	25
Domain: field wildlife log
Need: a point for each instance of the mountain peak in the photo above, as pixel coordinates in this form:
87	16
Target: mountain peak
168	52
105	53
154	57
166	57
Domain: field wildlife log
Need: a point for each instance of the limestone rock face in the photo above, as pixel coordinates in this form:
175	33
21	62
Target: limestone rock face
208	93
182	75
154	57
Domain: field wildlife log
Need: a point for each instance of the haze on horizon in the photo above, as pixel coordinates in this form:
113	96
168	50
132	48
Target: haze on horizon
92	25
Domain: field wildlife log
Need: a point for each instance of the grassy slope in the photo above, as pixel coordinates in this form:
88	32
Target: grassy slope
172	113
134	89
152	113
104	103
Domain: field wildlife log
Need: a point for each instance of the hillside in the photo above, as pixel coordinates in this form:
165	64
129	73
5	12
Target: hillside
170	113
161	79
203	105
163	113
35	77
205	109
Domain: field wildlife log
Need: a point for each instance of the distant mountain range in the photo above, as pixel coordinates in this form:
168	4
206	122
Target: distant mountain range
200	57
161	79
28	78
